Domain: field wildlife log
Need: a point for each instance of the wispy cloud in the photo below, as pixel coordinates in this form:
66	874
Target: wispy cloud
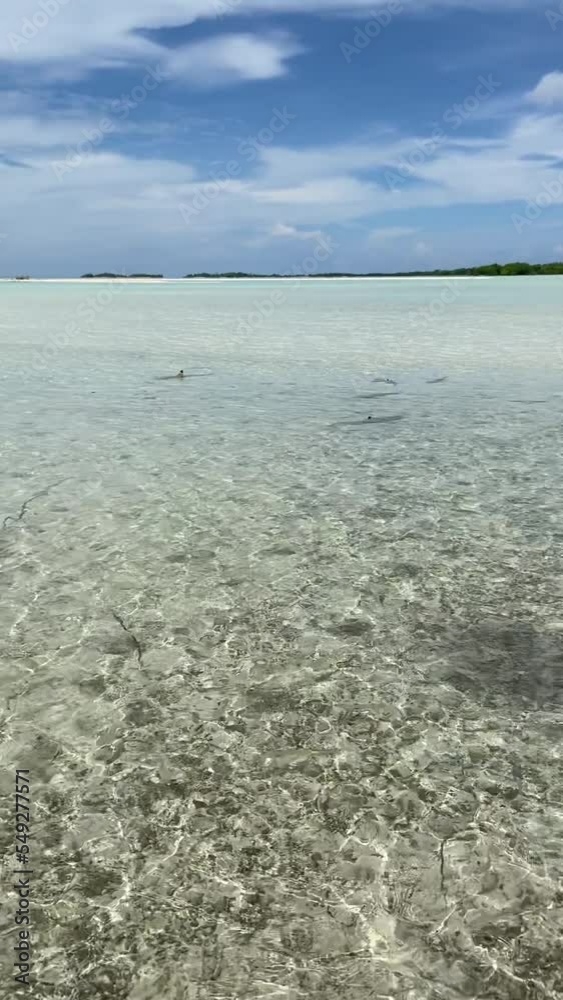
281	231
72	38
234	57
282	195
549	90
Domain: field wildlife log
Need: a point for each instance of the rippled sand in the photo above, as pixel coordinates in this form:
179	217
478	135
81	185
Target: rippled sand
289	683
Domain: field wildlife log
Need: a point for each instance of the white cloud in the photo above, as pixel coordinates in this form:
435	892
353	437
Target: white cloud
27	133
549	90
73	37
281	231
319	192
233	57
112	200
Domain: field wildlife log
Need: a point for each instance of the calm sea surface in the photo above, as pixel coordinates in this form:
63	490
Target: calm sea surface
289	682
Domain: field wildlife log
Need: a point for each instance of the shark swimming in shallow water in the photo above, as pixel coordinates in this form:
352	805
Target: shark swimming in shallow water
385	420
181	374
379	395
372	420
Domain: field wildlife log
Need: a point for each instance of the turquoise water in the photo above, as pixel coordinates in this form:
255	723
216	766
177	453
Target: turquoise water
289	682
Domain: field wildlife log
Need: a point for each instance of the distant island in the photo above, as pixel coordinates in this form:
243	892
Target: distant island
108	274
510	270
486	270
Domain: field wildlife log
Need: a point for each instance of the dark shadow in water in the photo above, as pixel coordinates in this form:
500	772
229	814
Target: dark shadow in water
437	381
379	395
14	518
386	420
510	660
181	378
368	422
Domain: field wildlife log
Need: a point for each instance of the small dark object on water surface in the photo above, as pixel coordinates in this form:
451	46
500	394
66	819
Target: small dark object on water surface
378	395
384	381
371	420
182	374
385	420
436	381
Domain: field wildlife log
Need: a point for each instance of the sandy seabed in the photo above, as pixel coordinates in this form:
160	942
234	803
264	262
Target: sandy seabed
289	685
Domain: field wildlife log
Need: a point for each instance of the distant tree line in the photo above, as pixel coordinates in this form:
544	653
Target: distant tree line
108	274
485	270
512	269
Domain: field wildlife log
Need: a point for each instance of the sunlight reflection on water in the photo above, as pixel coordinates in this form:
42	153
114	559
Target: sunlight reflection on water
299	669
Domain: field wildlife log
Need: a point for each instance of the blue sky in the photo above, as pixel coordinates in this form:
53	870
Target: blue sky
187	135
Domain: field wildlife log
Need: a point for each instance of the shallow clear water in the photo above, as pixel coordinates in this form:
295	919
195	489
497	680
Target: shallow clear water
289	682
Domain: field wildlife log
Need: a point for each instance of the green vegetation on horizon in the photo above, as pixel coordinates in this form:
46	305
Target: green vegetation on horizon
109	274
513	269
